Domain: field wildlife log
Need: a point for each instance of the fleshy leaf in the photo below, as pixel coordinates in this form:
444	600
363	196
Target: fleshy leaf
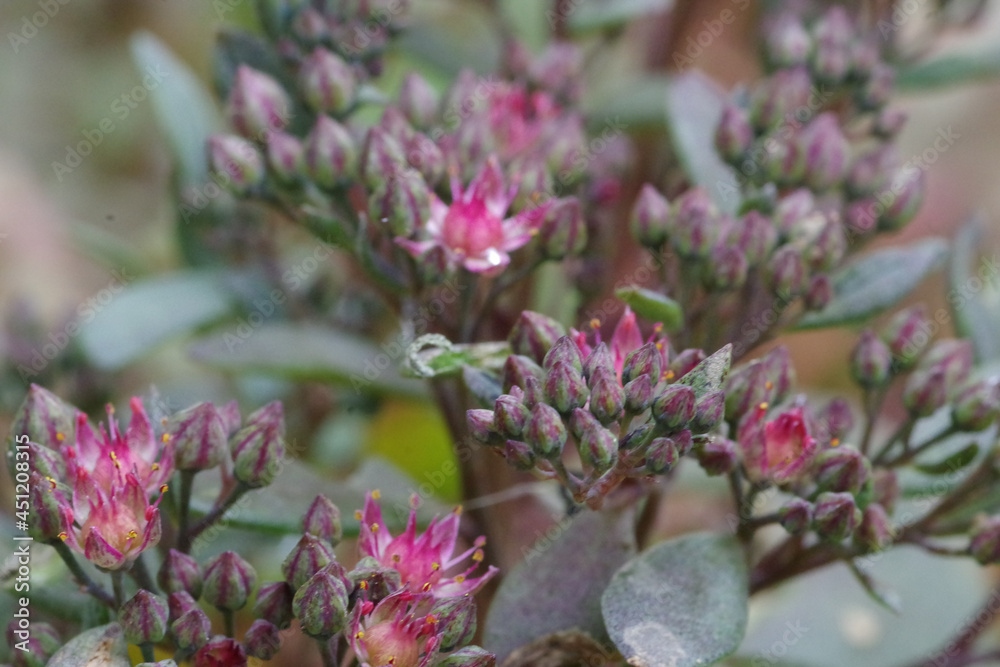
103	646
592	15
951	463
973	297
876	590
433	355
877	282
710	374
680	603
653	306
954	70
558	585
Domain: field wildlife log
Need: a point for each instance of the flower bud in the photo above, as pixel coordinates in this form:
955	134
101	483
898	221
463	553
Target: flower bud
836	420
788	272
870	172
744	389
259	447
598	359
828	246
646	360
308	25
907	335
563	231
257	104
784	94
650	220
684	362
888	123
926	391
180	603
229	580
191	630
456	618
418	101
285	157
674	408
470	656
46	419
143	618
780	374
756	237
825	150
875	532
564	387
696	224
220	650
836	516
510	416
180	572
274	603
546	431
661	456
480	424
308	557
984	542
877	89
322	519
534	334
598	448
793	208
381	157
901	199
330	153
734	135
977	406
787	43
841	469
199	437
607	398
830	62
708	412
34	651
871	361
262	640
639	394
519	454
376	579
238	163
321	604
563	350
726	269
327	82
885	488
820	292
717	456
402	202
784	162
796	515
50	514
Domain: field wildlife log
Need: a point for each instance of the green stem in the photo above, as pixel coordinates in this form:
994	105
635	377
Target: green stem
328	651
744	529
910	454
118	588
82	578
873	404
184	537
902	434
148	654
141	575
216	512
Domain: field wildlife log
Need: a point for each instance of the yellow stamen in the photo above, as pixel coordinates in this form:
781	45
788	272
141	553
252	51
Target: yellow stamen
835	442
363	585
460	578
595	323
52	482
376	494
478	556
763	406
63	536
658	328
395	558
166	437
155	467
60	437
426	587
435	566
357	515
769	385
360	635
164	488
659	345
131	535
374	527
669	375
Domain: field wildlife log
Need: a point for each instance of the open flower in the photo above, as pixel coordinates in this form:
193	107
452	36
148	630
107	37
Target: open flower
779	449
625	339
423	561
472	230
398	631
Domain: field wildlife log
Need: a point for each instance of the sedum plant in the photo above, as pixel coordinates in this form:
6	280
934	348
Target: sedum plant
454	205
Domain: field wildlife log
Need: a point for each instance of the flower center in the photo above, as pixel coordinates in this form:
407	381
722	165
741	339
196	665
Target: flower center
470	229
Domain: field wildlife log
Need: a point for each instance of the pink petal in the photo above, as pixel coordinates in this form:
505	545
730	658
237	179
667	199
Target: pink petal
97	550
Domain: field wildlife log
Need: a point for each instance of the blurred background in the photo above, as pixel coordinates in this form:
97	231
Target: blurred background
76	228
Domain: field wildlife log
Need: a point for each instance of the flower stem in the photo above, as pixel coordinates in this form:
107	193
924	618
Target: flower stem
184	517
148	654
328	651
216	514
141	575
229	622
82	578
118	588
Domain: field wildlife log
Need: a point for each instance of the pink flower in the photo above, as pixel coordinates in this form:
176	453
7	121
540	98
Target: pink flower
396	632
423	561
518	118
472	230
625	339
777	450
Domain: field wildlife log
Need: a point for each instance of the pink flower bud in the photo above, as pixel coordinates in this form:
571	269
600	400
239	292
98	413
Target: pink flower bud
836	517
143	618
322	519
262	640
650	220
274	603
257	104
237	162
534	334
327	82
308	557
418	101
330	153
229	580
180	572
871	361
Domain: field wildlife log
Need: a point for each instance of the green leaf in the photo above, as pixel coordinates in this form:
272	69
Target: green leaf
710	374
635	104
309	352
559	583
952	463
694	107
974	299
183	107
876	282
876	590
104	646
591	15
149	313
484	386
653	306
949	71
433	355
680	603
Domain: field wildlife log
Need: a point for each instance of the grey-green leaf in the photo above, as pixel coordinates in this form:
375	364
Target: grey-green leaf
694	107
103	646
974	297
591	15
140	316
183	106
433	355
309	352
876	590
876	282
558	585
951	463
653	306
952	70
710	374
681	603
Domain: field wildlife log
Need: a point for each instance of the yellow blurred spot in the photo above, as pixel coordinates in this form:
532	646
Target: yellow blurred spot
769	385
478	556
460	578
763	406
357	515
164	488
60	437
435	566
374	528
363	585
63	536
426	587
835	442
155	467
166	437
595	323
131	534
376	495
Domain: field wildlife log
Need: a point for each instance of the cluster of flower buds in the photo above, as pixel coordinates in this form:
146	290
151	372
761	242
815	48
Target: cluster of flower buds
613	411
403	603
